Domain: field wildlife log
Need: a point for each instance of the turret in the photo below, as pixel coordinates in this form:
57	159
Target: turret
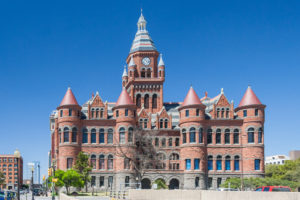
161	68
131	68
124	77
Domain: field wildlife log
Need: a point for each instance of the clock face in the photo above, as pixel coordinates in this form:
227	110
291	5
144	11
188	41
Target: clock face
146	61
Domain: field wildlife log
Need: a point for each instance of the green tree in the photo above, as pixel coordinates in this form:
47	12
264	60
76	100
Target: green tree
2	178
72	178
83	167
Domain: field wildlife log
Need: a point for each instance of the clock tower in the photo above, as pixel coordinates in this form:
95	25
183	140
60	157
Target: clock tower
145	77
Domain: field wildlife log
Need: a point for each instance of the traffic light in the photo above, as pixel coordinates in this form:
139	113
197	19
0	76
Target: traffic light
49	172
44	178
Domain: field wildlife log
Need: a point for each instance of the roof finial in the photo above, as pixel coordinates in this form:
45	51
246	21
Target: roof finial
249	86
93	95
222	91
69	88
206	93
131	62
161	62
125	71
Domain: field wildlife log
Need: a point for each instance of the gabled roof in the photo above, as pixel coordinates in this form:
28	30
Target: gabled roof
69	98
191	98
124	99
249	98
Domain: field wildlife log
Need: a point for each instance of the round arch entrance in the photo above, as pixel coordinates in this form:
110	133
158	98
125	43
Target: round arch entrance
174	184
146	183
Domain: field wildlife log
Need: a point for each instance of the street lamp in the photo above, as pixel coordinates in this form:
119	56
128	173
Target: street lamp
32	170
18	155
53	175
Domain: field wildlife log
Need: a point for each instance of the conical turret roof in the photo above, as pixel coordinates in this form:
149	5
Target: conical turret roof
69	98
161	61
249	98
191	98
124	99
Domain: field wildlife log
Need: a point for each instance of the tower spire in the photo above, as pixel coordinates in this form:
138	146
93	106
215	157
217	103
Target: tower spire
125	71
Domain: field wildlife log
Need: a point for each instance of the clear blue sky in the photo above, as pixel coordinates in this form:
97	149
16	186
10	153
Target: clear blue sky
47	46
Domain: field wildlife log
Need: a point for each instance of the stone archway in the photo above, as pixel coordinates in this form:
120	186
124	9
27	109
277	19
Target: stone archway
146	183
174	184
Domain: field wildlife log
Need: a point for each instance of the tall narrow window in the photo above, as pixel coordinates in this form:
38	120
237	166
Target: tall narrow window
101	113
257	164
146	101
74	135
126	112
192	135
61	113
110	139
161	123
227	163
110	181
245	113
177	142
210	163
84	135
218	136
130	134
197	112
197	181
59	135
70	112
227	112
93	181
201	135
236	136
117	113
101	162
219	163
138	100
127	178
101	182
143	73
145	123
156	142
92	113
218	112
187	113
93	161
209	136
122	135
227	136
154	101
66	134
69	163
183	136
170	142
222	113
256	112
219	181
187	164
251	135
93	135
196	163
260	135
166	123
97	113
236	163
101	136
163	142
149	73
110	161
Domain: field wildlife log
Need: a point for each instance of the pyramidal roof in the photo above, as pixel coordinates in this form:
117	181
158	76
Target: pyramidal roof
249	98
124	99
142	40
191	98
69	98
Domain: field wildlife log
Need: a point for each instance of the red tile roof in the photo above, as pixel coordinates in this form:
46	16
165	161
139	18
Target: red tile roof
249	98
69	98
124	99
191	98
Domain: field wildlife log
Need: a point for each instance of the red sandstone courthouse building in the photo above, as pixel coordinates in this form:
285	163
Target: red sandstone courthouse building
201	141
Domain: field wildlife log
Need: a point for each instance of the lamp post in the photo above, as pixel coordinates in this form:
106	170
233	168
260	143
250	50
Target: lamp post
32	170
53	175
18	155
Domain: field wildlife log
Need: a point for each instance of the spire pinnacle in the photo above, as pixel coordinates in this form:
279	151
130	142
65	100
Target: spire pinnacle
131	62
141	22
125	71
161	62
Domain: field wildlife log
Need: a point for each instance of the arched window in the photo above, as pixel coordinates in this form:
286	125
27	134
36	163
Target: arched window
146	101
227	112
174	156
170	142
192	135
97	113
227	163
218	136
101	136
219	162
101	162
74	135
92	113
93	161
143	73
149	73
110	139
156	142
183	136
84	135
66	134
250	135
201	135
236	136
101	113
166	123
141	123
138	100
227	136
110	162
161	123
130	134
154	101
163	142
93	135
210	163
209	136
122	135
145	123
222	113
218	112
260	135
236	163
59	135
